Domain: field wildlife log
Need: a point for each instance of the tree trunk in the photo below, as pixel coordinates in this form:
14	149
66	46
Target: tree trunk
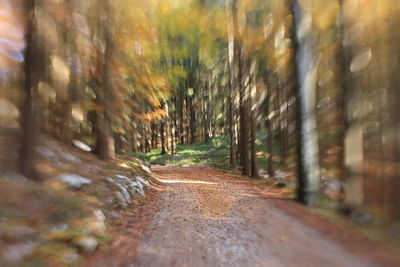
192	122
163	141
244	120
253	108
33	68
181	120
231	52
205	112
306	120
172	133
106	144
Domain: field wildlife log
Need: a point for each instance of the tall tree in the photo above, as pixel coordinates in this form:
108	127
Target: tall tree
309	176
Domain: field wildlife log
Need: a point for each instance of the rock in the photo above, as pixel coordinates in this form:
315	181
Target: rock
124	193
82	145
16	177
333	189
16	232
140	188
60	227
132	191
142	162
46	152
361	217
125	180
280	184
70	258
120	199
265	176
142	181
115	214
109	179
281	175
68	157
146	169
87	244
74	181
129	184
261	171
97	225
17	252
99	215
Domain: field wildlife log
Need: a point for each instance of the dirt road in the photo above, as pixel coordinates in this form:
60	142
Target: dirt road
209	219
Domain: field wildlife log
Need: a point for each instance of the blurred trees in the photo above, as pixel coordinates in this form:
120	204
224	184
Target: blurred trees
123	76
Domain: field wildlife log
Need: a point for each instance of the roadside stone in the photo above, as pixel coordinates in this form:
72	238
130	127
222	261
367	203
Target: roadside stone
87	244
71	258
95	223
13	254
125	193
120	199
46	153
146	169
114	214
109	179
74	181
17	232
69	157
140	188
142	181
82	145
280	184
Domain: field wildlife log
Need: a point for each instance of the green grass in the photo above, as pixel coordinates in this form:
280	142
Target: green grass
215	153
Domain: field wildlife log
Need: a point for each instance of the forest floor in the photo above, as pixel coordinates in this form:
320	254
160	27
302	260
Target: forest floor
201	217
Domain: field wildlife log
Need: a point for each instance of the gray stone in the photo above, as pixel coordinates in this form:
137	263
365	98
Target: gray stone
17	252
146	169
46	152
69	157
124	193
87	244
140	189
142	181
60	227
74	181
120	199
71	258
82	145
109	179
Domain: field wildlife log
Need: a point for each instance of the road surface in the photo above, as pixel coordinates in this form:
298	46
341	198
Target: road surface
206	218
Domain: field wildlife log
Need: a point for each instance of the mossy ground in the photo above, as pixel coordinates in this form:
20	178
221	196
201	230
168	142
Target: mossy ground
214	153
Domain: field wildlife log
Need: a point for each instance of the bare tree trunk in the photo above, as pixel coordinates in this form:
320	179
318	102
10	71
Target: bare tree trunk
181	120
253	109
192	121
134	140
106	144
206	112
231	53
33	68
172	133
163	141
306	121
244	120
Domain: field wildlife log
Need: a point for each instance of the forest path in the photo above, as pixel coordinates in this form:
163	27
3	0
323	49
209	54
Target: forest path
206	218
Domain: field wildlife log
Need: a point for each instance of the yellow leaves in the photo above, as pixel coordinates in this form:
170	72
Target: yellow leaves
325	14
60	70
